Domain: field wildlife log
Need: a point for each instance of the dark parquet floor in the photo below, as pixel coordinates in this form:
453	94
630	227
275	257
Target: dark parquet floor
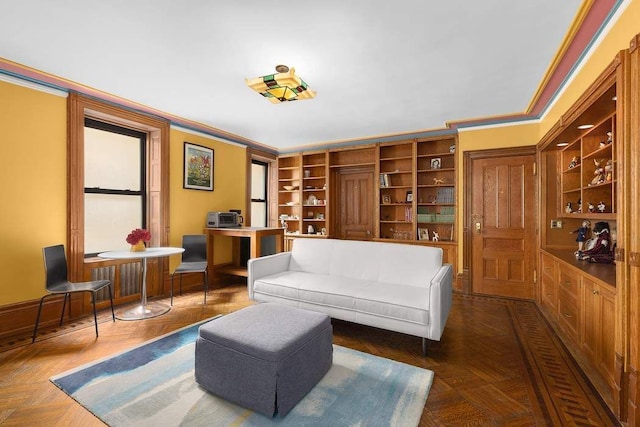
498	364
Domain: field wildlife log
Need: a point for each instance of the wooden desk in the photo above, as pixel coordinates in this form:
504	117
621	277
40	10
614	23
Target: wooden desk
255	235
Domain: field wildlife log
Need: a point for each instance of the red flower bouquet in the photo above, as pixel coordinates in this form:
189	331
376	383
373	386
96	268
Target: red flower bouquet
138	235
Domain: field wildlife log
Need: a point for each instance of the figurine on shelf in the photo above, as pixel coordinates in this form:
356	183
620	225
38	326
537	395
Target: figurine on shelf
452	148
598	173
579	206
568	208
608	171
575	161
582	235
438	181
591	207
436	237
608	141
601	207
600	249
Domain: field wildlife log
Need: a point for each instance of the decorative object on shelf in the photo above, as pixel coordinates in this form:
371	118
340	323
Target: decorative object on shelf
575	161
290	187
323	231
608	171
436	237
384	180
438	181
582	235
608	141
602	207
436	163
568	208
579	206
591	207
599	175
198	167
312	200
386	199
311	229
283	86
307	173
136	239
452	148
409	197
600	248
423	234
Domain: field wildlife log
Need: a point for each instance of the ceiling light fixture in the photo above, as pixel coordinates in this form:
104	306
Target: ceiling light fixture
585	126
281	87
562	144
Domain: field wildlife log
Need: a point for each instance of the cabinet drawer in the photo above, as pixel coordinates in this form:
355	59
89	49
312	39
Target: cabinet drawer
549	293
569	286
548	265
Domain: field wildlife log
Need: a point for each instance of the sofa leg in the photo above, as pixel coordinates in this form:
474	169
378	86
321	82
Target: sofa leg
424	347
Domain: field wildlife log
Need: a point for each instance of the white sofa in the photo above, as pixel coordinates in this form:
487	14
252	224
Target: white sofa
399	287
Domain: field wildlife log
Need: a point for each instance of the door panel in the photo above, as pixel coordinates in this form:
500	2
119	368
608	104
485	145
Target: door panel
355	204
503	223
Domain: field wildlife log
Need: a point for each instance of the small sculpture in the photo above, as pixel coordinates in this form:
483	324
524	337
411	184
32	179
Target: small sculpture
599	249
608	141
608	171
579	206
575	161
598	173
591	207
582	235
436	237
601	207
568	208
438	181
452	148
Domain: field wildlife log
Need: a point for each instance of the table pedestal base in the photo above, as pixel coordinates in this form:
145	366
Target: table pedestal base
139	312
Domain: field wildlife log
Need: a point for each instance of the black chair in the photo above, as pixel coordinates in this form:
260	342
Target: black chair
57	283
194	260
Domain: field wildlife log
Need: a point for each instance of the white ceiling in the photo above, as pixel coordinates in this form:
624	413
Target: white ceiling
379	67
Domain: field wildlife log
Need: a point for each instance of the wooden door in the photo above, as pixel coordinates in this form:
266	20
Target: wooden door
354	203
502	224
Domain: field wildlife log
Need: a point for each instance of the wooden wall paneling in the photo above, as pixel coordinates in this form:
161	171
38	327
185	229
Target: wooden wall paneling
632	247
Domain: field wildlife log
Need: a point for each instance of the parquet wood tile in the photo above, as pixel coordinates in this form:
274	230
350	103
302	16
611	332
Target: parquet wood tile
498	363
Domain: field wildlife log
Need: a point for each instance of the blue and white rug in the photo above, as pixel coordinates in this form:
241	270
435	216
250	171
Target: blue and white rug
154	385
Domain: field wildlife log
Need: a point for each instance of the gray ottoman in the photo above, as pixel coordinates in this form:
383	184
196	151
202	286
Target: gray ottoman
265	357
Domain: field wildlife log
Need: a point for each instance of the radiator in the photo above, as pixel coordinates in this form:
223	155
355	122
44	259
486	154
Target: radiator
124	284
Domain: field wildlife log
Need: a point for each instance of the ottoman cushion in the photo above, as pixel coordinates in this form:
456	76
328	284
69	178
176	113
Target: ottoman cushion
265	357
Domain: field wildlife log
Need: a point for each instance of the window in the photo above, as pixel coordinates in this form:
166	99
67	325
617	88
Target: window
114	185
259	193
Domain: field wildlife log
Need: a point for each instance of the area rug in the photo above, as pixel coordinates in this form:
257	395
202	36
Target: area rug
153	384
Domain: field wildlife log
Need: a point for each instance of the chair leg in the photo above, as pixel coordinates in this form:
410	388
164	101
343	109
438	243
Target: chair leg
206	287
64	304
113	314
171	292
424	347
35	329
95	316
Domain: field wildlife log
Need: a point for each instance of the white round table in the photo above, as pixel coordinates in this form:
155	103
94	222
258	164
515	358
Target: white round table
144	310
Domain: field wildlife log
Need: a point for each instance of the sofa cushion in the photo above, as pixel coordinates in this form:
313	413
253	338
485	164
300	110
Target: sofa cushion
376	261
392	300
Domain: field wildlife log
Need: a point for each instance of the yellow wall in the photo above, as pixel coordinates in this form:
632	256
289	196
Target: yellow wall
188	208
33	180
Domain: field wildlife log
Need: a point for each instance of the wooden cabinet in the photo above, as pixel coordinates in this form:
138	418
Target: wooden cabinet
583	308
315	200
289	194
436	188
549	283
598	337
588	163
396	205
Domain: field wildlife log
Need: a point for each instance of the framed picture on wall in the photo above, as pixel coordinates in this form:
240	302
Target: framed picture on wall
198	167
436	163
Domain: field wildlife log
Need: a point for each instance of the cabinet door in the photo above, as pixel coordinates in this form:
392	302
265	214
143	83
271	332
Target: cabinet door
548	279
569	296
598	339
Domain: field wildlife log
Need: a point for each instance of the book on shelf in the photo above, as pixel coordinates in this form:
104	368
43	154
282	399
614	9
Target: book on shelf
445	195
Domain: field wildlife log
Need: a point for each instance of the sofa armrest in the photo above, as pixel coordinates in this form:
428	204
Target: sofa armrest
266	266
440	299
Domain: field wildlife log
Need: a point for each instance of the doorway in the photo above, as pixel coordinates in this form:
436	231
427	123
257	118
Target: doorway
501	221
353	203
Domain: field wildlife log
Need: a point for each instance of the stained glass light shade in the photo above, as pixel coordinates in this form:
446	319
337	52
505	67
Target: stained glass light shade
281	87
